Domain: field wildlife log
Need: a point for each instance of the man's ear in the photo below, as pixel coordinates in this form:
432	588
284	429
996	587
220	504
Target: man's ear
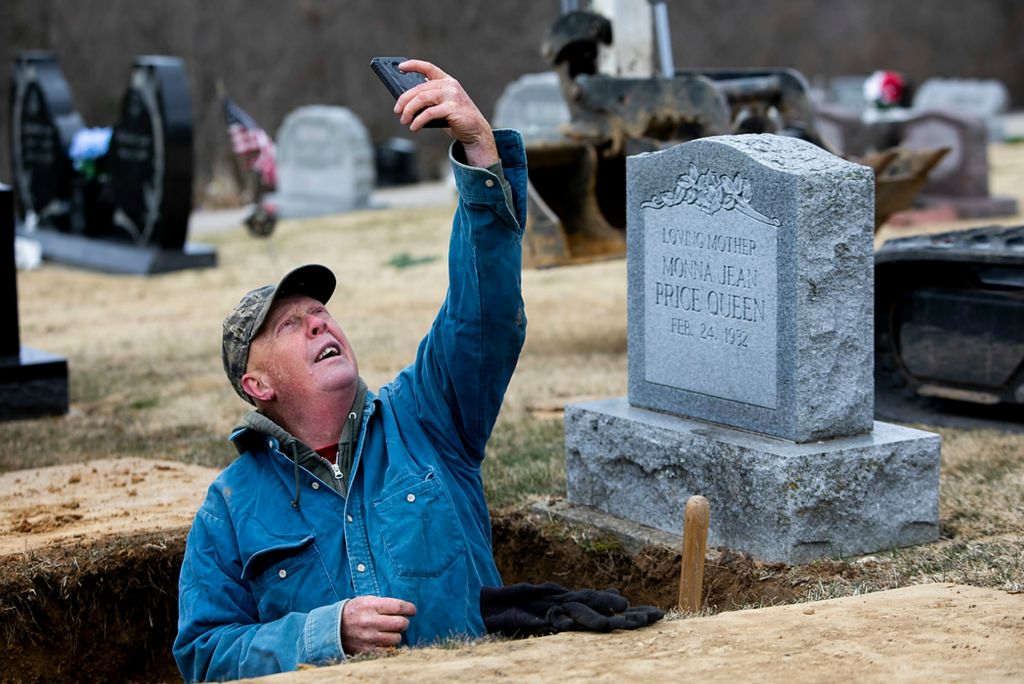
257	385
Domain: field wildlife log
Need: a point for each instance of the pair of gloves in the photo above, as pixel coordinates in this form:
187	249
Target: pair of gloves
522	610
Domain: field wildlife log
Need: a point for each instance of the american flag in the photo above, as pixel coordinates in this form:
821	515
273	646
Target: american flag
251	142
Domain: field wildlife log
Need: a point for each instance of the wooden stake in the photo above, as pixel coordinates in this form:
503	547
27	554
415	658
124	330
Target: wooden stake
695	541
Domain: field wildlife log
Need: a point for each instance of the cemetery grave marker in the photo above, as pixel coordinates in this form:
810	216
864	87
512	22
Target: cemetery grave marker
325	163
132	217
533	104
32	382
986	99
959	180
43	121
751	360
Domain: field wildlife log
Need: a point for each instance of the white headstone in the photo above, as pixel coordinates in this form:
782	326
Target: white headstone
533	105
325	162
985	99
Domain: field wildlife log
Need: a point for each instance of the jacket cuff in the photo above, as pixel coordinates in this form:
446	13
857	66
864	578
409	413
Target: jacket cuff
321	639
486	185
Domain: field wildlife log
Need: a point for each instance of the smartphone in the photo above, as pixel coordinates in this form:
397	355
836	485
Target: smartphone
397	81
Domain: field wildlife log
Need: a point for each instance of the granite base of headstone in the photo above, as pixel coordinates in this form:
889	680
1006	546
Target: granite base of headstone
114	256
33	383
325	163
775	499
751	361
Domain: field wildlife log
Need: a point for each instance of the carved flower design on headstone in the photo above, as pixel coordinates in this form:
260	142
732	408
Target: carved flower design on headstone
711	193
688	184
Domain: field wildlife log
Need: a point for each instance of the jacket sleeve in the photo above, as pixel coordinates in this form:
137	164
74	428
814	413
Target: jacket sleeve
465	362
219	633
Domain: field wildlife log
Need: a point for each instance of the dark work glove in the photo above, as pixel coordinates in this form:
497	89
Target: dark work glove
536	609
581	617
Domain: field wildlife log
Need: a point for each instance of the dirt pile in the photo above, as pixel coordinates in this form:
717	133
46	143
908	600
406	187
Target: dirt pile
927	633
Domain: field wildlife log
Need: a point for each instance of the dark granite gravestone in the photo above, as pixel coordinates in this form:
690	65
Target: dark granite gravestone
134	217
32	382
151	155
43	120
396	162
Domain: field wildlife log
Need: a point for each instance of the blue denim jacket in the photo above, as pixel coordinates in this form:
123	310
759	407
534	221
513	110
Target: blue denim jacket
263	583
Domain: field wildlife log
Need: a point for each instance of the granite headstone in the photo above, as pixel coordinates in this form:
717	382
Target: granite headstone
751	360
131	218
533	104
847	92
986	99
325	163
964	169
151	155
395	160
960	179
32	382
43	120
739	312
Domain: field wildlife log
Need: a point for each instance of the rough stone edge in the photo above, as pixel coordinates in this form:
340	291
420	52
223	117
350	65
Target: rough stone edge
785	544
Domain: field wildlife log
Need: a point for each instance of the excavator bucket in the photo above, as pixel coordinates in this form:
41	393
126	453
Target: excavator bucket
577	188
900	174
565	221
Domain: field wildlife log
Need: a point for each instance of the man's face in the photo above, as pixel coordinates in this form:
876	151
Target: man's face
301	350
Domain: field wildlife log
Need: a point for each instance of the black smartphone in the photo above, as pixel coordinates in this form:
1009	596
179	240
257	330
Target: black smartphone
397	81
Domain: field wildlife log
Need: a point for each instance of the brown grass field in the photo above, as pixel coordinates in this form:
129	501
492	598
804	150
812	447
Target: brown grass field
146	379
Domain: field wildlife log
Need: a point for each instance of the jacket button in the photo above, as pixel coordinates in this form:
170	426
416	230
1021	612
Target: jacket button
348	518
489	183
282	573
410	498
360	568
315	485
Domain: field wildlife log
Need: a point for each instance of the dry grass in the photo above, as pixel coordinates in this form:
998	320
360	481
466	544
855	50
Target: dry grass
144	359
146	377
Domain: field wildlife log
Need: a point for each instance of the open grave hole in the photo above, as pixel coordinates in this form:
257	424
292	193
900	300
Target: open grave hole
106	610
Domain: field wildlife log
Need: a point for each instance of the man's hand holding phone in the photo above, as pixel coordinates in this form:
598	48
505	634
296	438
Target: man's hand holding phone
441	97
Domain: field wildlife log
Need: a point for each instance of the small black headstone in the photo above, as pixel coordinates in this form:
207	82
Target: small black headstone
32	383
43	120
396	162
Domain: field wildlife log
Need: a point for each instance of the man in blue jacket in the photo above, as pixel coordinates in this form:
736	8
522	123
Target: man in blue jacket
350	521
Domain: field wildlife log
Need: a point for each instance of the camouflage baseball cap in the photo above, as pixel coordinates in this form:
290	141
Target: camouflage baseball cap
244	322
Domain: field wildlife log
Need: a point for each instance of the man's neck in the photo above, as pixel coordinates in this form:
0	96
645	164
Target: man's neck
315	420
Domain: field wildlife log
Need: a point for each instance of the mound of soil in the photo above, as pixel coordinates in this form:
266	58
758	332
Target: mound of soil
926	633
